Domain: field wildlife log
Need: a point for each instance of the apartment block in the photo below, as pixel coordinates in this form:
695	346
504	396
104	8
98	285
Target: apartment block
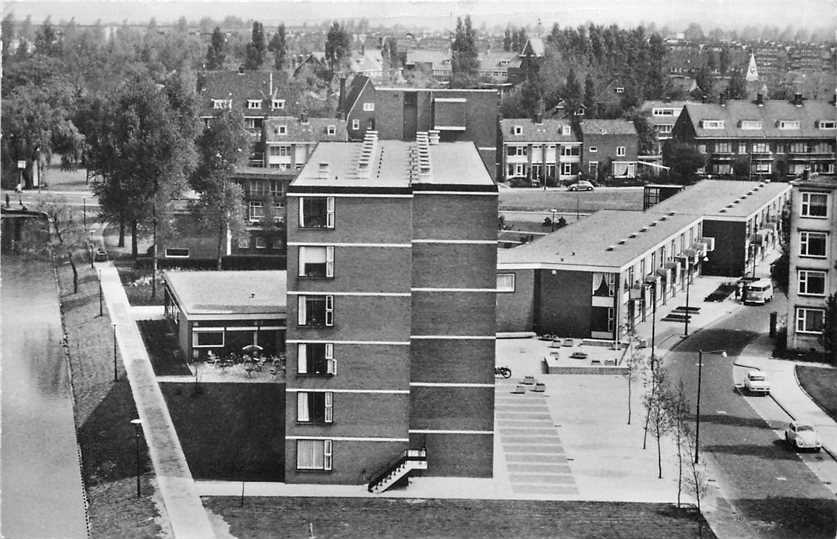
391	308
813	272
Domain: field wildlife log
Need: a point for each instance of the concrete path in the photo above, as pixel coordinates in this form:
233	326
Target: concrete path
185	510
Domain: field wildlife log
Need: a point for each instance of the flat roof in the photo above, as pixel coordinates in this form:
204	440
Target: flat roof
229	292
451	163
820	182
607	239
731	199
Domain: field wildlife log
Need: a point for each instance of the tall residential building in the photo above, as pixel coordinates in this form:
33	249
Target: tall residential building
392	253
813	272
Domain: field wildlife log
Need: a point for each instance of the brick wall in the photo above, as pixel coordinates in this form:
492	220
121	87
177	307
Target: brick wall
563	303
516	310
730	254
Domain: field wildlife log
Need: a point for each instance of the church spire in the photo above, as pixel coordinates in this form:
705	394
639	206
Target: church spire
752	70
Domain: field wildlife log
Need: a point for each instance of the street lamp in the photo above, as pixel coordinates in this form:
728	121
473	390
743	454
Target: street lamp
115	375
653	286
100	292
722	353
137	433
554	211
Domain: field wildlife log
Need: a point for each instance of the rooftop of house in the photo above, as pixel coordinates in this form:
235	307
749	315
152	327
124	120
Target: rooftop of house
819	182
229	293
722	198
354	90
498	59
239	86
550	130
304	130
393	164
746	119
434	57
534	47
607	127
606	239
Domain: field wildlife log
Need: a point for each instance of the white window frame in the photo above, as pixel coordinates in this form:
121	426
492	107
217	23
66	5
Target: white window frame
261	242
170	249
805	240
803	282
331	130
198	331
277	104
789	124
355	124
593	149
801	326
368	106
327	454
506	282
805	204
302	314
517	130
827	124
251	211
281	130
244	242
329	212
254	104
620	151
329	259
566	169
302	359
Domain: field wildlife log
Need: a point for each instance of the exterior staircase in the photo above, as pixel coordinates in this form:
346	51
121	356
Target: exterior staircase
410	460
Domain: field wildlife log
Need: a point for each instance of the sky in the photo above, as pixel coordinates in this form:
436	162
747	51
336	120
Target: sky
440	14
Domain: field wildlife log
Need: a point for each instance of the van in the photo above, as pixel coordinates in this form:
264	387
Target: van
760	292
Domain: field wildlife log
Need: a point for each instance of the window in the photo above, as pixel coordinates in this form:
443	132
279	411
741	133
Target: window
261	242
255	211
277	104
742	147
315	311
761	147
314	407
788	124
723	147
662	112
277	243
313	455
812	283
809	320
505	282
254	104
593	149
620	151
593	168
208	338
331	130
750	124
316	262
222	103
316	359
174	252
316	212
355	124
517	130
566	130
604	284
280	130
813	244
702	148
280	151
665	129
368	107
814	204
620	90
570	150
277	189
827	124
518	150
712	124
566	169
763	168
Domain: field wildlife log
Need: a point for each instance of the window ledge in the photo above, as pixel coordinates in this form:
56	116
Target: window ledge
313	278
314	375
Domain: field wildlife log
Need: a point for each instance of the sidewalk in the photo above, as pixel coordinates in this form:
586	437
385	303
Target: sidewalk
186	512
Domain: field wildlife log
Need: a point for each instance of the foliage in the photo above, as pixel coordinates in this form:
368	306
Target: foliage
828	339
684	161
255	51
464	56
589	95
215	53
336	47
737	88
657	401
645	131
279	47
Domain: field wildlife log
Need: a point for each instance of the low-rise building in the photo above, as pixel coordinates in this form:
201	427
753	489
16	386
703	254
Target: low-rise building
610	149
812	270
545	150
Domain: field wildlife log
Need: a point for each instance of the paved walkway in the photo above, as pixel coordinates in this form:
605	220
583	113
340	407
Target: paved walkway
185	510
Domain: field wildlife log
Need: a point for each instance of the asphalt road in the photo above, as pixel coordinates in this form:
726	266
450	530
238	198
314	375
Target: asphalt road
774	490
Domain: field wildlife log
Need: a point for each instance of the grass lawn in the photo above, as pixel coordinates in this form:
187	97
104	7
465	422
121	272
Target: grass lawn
103	412
821	384
137	283
566	201
162	348
66	180
431	518
230	431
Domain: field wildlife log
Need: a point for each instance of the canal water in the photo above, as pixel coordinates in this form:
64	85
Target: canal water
42	493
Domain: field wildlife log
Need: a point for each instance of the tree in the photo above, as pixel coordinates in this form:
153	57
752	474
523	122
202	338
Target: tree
693	32
278	46
464	57
255	51
589	93
685	161
220	207
507	40
646	133
7	35
633	360
741	167
46	40
215	54
724	61
737	88
658	406
679	414
704	80
828	339
336	47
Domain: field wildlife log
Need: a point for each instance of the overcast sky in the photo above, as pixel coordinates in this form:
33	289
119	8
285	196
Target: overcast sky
443	13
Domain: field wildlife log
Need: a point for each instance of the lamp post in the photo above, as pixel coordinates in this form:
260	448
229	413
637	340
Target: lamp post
722	353
137	433
115	374
653	321
554	211
100	293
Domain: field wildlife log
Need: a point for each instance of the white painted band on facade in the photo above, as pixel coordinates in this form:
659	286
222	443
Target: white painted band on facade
492	290
315	244
457	242
348	439
456	337
329	390
332	341
449	193
429	431
487	148
447	384
347	195
376	294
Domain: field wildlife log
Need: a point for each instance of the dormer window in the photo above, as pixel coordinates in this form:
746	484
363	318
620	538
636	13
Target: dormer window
254	104
222	104
620	90
750	124
788	124
277	104
593	149
662	112
826	124
280	130
331	130
712	124
517	130
565	130
369	107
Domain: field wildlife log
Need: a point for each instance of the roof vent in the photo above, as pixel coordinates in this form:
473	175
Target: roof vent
653	223
644	229
631	235
610	248
323	170
621	242
663	218
723	210
671	213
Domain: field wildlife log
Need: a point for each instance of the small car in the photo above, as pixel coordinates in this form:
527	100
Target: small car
756	383
802	436
100	254
581	185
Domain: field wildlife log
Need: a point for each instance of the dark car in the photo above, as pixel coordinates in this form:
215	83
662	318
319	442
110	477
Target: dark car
520	181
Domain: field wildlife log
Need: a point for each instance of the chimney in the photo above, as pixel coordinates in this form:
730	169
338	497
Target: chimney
539	112
341	98
240	70
303	117
722	99
760	99
797	99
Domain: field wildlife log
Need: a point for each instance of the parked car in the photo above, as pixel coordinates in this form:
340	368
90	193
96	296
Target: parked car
581	185
756	383
519	181
100	254
802	436
759	292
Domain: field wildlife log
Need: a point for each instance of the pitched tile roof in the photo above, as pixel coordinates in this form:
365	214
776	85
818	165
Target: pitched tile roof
240	86
736	111
551	130
227	293
359	82
314	130
607	127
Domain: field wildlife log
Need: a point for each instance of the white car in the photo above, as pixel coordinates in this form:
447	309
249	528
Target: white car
756	382
581	185
802	436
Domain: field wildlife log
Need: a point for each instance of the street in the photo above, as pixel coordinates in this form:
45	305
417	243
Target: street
775	490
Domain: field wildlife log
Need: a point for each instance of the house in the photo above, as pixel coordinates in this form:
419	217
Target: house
661	116
367	62
742	217
546	150
576	281
224	311
400	113
610	149
812	270
767	138
499	67
392	250
431	62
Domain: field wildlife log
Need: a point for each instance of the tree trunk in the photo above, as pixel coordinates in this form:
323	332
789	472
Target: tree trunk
121	232
134	248
154	258
659	451
75	273
220	246
630	374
